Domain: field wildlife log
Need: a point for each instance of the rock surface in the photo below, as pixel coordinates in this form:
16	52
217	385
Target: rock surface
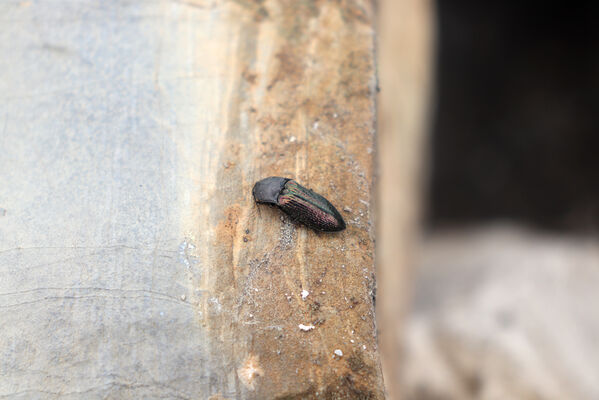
133	260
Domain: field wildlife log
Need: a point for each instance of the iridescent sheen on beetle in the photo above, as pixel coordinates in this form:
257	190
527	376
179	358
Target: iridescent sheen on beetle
301	204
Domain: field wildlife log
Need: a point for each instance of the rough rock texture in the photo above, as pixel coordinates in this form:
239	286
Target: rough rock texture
133	261
502	313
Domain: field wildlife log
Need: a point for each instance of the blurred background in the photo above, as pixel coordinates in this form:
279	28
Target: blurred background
502	299
515	123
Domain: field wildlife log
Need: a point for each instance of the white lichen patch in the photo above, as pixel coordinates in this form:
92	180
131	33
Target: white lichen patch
305	328
250	371
215	304
185	248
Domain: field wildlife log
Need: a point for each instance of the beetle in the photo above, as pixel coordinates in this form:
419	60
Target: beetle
301	204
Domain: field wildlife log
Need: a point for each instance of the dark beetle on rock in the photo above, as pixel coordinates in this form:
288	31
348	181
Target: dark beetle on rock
301	204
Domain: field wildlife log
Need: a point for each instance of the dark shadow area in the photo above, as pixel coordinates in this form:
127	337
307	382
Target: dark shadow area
515	134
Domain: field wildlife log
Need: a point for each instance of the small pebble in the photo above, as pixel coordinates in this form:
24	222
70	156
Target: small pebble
306	328
338	353
183	297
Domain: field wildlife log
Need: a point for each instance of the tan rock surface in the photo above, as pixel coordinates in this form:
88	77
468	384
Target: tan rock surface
133	260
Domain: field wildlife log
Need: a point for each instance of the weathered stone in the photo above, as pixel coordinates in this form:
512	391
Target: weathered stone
133	260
